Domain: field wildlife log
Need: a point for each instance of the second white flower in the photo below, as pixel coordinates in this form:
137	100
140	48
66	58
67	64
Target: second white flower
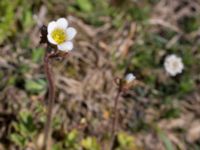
173	65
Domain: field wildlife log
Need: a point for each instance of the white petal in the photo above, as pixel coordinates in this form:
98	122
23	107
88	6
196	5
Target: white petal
62	23
67	46
71	32
50	39
51	26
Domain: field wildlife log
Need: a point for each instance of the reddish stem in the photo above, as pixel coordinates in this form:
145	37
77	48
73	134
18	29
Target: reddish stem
115	118
51	98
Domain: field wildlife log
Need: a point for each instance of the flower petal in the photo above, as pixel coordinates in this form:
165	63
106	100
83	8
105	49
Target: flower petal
67	46
50	39
71	32
62	23
51	26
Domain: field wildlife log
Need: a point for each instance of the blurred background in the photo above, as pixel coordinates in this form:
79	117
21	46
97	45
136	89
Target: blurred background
114	37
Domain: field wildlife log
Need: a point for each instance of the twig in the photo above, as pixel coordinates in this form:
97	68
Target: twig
51	98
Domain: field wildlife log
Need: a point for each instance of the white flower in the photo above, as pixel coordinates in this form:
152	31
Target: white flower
61	35
173	65
129	77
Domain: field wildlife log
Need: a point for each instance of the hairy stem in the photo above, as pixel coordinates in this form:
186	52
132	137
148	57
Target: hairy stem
51	98
115	119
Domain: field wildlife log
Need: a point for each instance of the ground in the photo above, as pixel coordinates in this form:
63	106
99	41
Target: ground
114	38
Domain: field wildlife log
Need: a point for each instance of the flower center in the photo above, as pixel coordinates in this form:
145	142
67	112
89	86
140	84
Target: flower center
175	65
59	35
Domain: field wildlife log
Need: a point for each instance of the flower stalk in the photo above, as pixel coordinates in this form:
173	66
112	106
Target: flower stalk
123	86
115	118
51	99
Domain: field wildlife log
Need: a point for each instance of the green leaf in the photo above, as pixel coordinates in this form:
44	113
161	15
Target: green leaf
85	5
72	135
90	144
168	144
171	113
27	19
23	68
57	146
186	85
71	139
23	130
23	116
56	122
38	54
125	140
7	19
26	126
18	139
35	86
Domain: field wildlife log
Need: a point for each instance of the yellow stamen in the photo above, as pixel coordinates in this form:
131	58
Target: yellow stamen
59	35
